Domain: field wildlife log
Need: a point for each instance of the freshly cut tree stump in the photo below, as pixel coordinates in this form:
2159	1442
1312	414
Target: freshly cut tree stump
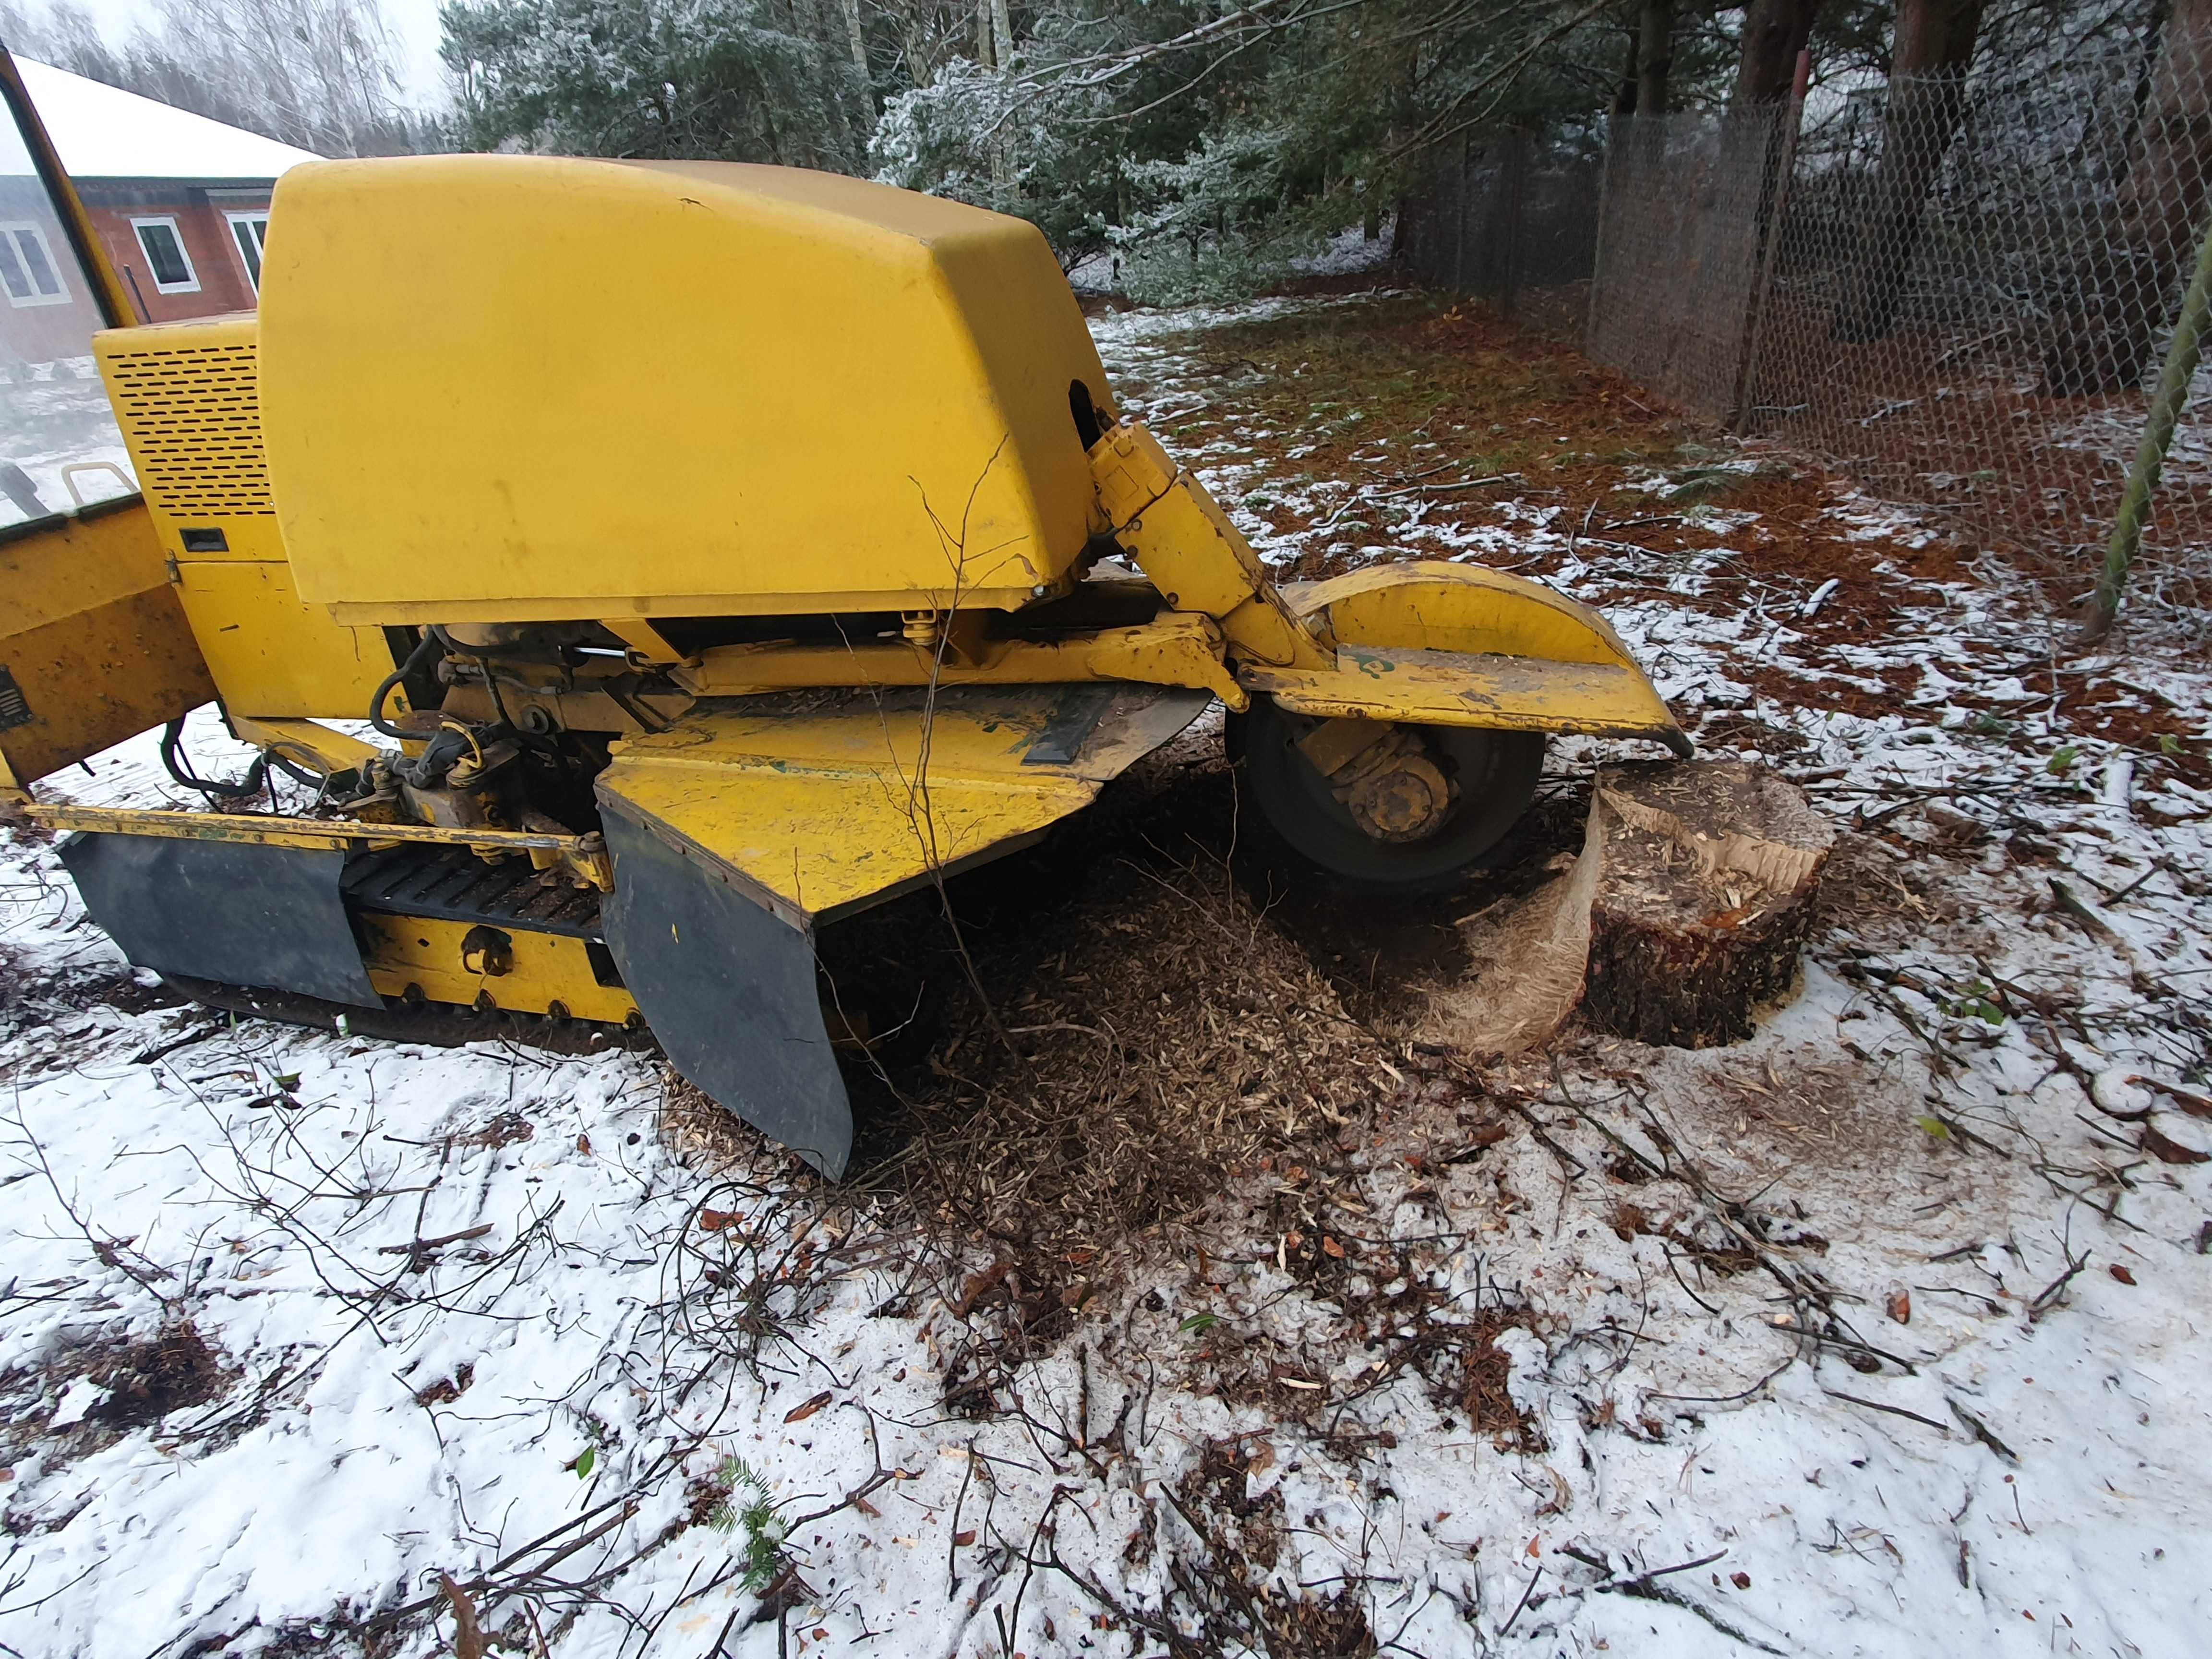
1708	871
1686	908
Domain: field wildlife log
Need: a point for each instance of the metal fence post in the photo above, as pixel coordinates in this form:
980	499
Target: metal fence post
1793	118
1459	222
1515	167
2180	368
1597	247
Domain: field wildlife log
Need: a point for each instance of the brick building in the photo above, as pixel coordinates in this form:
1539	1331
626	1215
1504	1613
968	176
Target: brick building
180	201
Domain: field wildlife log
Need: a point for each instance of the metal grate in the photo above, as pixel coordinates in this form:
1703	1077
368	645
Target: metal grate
194	417
452	884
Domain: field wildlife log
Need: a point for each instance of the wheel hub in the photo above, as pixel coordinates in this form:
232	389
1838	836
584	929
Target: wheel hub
1405	800
1384	807
1384	776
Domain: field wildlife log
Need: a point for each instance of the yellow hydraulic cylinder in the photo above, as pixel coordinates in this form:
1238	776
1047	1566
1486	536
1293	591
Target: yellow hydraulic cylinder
1181	538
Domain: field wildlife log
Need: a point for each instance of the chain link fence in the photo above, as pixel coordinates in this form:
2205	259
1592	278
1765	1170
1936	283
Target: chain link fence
1973	286
1683	216
1956	287
1513	219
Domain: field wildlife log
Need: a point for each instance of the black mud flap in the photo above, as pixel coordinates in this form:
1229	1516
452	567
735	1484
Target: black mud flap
234	911
728	988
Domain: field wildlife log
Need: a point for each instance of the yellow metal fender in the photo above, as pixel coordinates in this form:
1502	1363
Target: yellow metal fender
1458	645
93	646
749	822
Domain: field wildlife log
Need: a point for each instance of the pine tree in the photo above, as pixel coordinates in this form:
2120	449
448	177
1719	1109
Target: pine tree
720	80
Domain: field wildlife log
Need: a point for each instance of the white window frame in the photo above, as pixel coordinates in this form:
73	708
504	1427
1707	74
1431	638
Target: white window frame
250	217
10	229
191	283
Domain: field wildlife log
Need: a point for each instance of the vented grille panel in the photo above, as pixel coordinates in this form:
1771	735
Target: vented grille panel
193	415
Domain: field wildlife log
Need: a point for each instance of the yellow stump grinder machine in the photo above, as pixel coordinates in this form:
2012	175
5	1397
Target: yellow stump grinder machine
716	552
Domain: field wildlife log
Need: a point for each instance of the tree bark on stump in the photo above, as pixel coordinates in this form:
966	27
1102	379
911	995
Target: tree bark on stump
1707	874
1686	910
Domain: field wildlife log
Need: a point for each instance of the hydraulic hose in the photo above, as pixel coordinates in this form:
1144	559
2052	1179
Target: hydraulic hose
507	723
483	661
433	643
173	761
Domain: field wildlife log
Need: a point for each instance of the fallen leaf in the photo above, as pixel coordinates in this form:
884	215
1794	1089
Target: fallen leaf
1298	1383
978	1285
806	1408
583	1144
714	1221
1901	1305
2121	1274
1535	1546
962	1539
468	1637
1330	1246
2189	1100
867	1508
1740	1580
2171	1152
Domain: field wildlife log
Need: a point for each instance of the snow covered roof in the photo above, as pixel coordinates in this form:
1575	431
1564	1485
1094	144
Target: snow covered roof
103	133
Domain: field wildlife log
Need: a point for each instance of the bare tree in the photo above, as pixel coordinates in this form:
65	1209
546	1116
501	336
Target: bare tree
2130	289
857	37
323	74
1928	65
66	37
1774	33
1654	55
928	32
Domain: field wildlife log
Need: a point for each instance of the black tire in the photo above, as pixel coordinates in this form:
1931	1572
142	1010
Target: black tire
1495	771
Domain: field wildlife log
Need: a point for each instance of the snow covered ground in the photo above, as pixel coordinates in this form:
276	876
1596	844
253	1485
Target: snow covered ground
55	416
1882	1333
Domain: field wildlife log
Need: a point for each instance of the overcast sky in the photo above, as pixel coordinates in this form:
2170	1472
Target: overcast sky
413	21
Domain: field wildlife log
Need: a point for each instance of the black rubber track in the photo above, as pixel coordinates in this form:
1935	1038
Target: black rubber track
442	1023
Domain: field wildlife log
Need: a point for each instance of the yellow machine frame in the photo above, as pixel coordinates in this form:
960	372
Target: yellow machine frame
313	509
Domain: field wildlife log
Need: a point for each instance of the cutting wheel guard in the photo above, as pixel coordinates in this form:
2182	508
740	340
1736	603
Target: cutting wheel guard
728	988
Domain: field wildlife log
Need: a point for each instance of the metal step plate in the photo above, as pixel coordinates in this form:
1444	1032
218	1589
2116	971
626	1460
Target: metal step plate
450	883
